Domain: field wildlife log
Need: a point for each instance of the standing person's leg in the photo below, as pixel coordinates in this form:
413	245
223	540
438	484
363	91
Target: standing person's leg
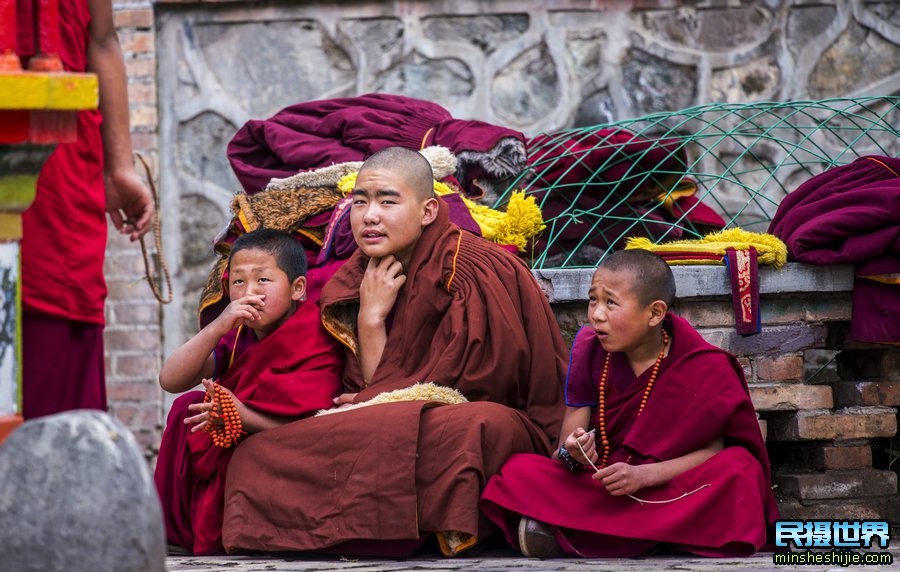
62	365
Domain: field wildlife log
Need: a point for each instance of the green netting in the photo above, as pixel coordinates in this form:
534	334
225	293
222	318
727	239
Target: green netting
743	158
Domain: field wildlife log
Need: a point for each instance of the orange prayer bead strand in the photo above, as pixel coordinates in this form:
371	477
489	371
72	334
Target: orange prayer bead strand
226	434
601	400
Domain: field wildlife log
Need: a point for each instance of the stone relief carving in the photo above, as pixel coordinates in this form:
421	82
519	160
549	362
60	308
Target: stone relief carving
521	64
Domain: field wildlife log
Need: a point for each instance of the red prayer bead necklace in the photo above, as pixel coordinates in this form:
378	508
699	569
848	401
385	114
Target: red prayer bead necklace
226	434
601	406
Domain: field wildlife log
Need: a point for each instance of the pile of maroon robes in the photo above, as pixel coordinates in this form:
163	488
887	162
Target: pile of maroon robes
851	215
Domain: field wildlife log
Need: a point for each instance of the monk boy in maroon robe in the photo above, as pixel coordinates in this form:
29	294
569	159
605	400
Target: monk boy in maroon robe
421	301
269	353
660	441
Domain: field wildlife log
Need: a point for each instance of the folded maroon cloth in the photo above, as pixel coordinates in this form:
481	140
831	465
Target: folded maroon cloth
851	215
317	134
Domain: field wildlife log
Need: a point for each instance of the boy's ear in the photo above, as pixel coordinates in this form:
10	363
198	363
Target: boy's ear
298	288
430	211
658	310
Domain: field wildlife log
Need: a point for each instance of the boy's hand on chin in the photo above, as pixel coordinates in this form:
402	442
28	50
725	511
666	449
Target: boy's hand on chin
379	287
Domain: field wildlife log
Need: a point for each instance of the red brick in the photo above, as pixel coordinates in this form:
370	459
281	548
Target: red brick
790	396
140	365
705	314
844	457
132	340
136	416
868	393
123	391
140	67
133	290
781	368
142	116
133	18
746	366
831	308
146	142
136	42
838	484
850	423
126	265
141	93
137	313
872	508
780	311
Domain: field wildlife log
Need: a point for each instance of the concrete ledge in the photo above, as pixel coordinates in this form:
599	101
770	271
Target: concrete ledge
572	284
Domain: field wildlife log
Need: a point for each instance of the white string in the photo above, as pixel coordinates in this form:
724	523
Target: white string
640	500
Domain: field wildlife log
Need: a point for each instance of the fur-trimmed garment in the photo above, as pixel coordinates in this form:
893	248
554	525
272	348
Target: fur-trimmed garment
470	317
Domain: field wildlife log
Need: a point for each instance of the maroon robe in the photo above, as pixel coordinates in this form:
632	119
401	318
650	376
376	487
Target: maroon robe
292	372
579	172
470	316
851	214
699	395
317	134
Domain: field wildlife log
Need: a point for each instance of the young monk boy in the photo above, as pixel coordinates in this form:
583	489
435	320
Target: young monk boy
266	360
660	442
420	301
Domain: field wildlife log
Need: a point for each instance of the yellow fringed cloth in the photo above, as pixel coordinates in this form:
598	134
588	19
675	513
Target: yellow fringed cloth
711	249
741	252
521	221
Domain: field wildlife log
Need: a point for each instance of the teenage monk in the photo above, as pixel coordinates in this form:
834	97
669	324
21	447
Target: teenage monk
421	301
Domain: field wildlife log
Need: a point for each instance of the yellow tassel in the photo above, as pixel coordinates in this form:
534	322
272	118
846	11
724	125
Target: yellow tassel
769	249
521	221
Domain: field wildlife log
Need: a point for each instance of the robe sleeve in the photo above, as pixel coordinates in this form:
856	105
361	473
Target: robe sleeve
580	390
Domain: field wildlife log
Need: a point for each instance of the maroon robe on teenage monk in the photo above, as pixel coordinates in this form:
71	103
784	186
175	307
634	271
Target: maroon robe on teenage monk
699	394
851	215
292	372
470	316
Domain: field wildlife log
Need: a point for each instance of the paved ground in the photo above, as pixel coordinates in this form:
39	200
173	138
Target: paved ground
494	560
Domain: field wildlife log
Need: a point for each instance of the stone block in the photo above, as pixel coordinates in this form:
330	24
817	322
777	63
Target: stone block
831	457
779	368
777	339
843	484
133	18
885	393
871	363
873	508
705	313
131	339
764	428
76	494
790	396
849	423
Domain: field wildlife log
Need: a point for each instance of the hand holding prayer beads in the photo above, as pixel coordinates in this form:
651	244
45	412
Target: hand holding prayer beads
225	427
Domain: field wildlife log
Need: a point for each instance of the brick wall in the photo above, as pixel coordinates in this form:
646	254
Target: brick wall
133	337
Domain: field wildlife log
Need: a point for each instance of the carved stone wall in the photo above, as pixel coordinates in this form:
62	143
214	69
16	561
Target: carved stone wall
529	65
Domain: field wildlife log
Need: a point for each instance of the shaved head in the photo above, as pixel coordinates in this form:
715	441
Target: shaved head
653	279
411	165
